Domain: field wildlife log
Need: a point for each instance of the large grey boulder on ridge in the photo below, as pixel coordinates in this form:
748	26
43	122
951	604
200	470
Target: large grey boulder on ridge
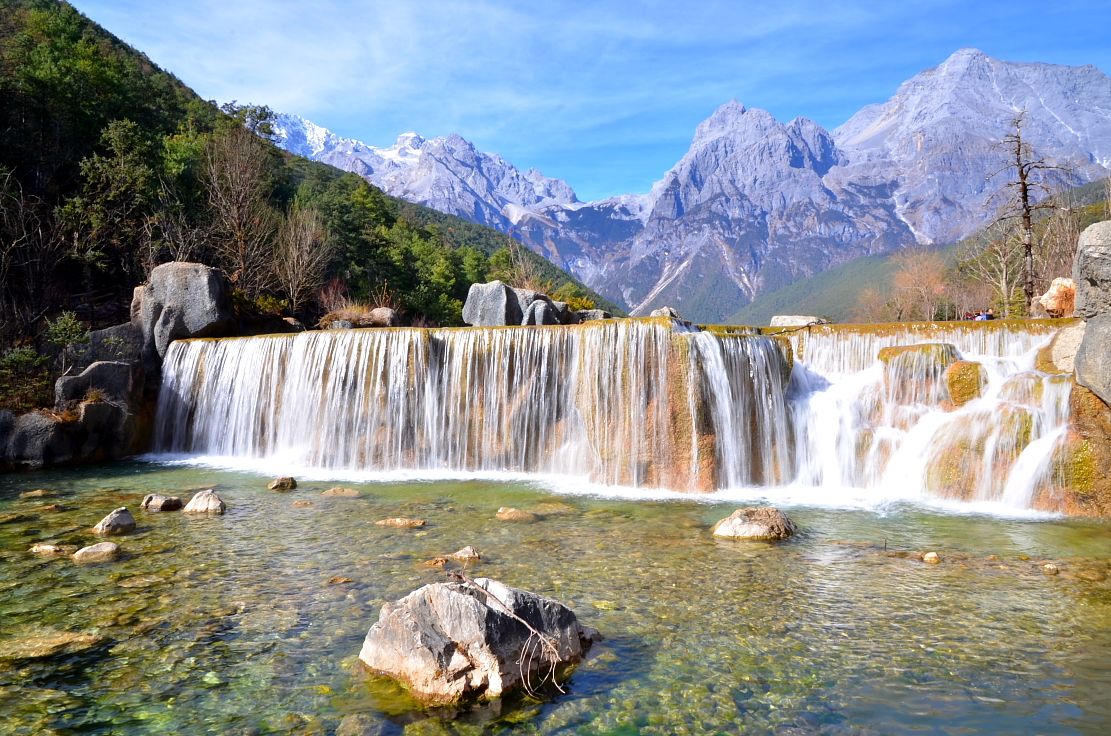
492	304
183	300
451	642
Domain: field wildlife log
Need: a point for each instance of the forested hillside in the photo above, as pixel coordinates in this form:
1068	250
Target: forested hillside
109	166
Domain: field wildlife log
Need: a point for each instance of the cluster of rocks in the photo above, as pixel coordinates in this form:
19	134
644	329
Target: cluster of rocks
120	522
102	412
496	304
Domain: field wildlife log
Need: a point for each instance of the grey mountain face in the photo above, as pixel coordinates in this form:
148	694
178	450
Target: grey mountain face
755	204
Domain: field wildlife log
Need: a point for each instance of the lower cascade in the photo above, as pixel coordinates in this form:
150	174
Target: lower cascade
907	411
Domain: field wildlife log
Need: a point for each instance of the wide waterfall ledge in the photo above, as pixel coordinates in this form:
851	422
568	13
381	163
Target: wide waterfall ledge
950	414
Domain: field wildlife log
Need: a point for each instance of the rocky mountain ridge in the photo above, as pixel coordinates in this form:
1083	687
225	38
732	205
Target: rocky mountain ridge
755	203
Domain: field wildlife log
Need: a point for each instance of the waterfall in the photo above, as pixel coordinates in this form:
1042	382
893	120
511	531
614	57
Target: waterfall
873	409
951	411
623	402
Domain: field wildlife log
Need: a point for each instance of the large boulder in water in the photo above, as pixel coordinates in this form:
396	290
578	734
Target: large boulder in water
1091	271
491	305
183	300
118	522
451	642
761	523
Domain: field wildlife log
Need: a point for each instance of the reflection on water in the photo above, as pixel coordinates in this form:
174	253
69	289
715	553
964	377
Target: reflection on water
229	624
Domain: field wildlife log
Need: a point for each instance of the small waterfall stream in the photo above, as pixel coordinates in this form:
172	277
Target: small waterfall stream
641	403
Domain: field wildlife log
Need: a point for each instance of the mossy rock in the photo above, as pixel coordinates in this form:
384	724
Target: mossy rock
1025	388
913	373
965	380
936	353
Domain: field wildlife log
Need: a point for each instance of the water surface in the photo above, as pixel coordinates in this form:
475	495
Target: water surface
230	624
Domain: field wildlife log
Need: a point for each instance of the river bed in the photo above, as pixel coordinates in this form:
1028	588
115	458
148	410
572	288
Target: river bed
246	623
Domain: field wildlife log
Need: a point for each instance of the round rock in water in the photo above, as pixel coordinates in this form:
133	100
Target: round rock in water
103	552
759	522
452	642
285	483
158	502
341	492
205	502
467	554
508	513
118	522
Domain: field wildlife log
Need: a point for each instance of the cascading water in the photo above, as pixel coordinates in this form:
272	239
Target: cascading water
874	410
622	402
644	403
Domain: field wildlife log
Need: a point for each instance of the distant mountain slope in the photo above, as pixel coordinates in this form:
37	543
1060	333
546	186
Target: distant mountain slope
756	204
833	294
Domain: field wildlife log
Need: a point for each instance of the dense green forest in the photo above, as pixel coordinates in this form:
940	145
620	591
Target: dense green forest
110	166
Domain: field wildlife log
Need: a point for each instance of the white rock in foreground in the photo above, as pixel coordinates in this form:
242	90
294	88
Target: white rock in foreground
205	502
449	642
760	522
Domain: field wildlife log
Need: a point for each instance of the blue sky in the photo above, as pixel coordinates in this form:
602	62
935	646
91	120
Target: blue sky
605	95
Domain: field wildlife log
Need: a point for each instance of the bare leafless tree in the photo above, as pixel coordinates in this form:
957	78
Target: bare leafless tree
236	173
1027	193
32	244
1060	234
919	284
994	258
302	256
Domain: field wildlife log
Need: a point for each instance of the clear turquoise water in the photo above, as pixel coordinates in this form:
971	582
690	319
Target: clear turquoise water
229	624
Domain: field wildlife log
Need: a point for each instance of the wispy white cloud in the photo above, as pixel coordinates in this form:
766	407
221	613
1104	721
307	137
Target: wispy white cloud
568	86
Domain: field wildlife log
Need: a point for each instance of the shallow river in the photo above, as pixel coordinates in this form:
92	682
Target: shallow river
236	624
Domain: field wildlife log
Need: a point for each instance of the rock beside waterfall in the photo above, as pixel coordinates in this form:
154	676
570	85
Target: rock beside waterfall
452	642
118	522
796	320
1059	300
103	552
284	483
540	312
931	558
183	300
756	522
965	380
158	502
1059	356
1091	271
1093	358
492	304
566	315
115	380
591	315
205	502
668	312
913	374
